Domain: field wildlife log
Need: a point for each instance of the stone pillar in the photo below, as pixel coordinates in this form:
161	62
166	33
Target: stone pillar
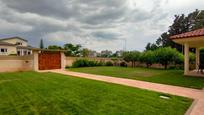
197	58
35	61
186	59
63	61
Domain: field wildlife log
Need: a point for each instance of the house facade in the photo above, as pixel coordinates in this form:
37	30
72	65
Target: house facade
15	46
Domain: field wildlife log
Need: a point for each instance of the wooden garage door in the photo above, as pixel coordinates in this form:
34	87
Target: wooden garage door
49	60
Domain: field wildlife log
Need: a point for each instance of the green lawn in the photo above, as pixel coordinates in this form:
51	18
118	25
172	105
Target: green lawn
171	77
49	93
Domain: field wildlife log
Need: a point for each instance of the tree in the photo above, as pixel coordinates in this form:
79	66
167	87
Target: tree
72	50
85	52
164	41
131	56
166	55
151	46
148	57
41	44
181	24
55	47
106	53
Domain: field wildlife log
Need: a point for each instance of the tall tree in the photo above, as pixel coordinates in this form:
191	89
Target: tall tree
150	46
181	24
41	44
72	50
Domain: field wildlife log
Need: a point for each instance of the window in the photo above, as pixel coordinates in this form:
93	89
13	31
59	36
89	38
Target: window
3	50
18	43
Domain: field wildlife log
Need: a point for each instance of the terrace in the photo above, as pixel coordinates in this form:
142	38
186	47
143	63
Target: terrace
193	39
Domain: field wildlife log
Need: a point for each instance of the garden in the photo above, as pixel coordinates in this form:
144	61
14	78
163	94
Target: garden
171	72
50	93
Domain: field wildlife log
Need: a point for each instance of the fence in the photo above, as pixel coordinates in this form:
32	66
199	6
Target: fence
25	63
16	63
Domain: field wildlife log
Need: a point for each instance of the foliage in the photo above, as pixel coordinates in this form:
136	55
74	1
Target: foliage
109	63
123	64
150	46
182	23
131	56
148	57
72	50
85	52
192	57
41	44
179	59
86	63
55	47
106	53
166	55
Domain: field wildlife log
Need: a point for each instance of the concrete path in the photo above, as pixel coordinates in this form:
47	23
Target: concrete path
197	108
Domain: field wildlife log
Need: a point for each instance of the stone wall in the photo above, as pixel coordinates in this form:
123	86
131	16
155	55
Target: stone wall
16	63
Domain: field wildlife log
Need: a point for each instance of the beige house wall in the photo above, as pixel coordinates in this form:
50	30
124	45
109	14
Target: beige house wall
10	50
13	41
15	63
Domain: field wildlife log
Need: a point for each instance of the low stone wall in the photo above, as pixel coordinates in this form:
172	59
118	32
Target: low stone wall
70	60
16	63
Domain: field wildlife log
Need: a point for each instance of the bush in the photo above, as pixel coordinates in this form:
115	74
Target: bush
123	64
67	67
109	63
86	63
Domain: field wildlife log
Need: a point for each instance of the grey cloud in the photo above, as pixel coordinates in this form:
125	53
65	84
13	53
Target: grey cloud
101	35
96	23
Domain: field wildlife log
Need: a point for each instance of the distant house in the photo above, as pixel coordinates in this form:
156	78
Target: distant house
15	46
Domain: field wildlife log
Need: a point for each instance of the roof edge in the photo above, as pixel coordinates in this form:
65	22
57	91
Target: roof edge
15	37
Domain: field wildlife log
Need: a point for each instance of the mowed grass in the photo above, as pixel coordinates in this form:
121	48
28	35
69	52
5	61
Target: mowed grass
49	93
171	77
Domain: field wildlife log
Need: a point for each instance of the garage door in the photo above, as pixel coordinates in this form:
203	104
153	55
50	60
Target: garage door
49	60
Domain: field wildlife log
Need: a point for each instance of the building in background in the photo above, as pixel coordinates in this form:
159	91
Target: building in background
15	46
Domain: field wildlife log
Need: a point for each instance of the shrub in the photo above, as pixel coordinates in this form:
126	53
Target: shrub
81	63
123	64
109	63
86	63
67	67
192	57
100	63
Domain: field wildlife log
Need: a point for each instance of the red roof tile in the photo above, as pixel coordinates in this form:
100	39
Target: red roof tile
195	33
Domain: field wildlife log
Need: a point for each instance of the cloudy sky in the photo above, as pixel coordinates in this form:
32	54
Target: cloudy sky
96	24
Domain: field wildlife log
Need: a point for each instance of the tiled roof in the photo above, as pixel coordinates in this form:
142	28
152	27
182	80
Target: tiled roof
195	33
7	44
14	38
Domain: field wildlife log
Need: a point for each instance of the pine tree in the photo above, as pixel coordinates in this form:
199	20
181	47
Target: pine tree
41	44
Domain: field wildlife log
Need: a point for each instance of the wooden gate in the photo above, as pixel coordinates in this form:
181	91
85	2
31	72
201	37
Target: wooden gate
49	60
